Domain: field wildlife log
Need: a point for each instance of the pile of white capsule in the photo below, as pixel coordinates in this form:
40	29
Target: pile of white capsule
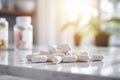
63	53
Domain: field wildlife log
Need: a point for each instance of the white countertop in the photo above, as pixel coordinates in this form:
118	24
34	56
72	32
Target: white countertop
108	68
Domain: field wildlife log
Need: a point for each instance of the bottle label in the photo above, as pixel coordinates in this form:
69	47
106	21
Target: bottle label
27	37
3	34
18	38
3	38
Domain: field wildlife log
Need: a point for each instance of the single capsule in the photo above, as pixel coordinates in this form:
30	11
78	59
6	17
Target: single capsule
58	51
44	52
29	57
58	54
36	59
49	58
83	53
56	59
75	52
69	58
54	54
69	53
96	57
64	47
52	48
82	58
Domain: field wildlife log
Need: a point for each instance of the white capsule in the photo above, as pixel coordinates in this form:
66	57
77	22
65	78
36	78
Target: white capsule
75	52
52	48
49	58
29	57
96	57
58	51
69	58
44	52
82	58
54	54
69	53
56	59
58	54
64	47
83	53
37	59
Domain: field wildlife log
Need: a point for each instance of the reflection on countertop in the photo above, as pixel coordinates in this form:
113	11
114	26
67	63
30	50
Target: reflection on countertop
108	67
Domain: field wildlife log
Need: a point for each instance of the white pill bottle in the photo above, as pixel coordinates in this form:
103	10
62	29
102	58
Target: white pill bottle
23	33
3	33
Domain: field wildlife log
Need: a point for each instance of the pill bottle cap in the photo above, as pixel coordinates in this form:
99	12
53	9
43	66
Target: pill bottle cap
2	19
23	20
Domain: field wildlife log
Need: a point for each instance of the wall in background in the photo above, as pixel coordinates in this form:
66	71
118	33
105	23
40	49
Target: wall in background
46	22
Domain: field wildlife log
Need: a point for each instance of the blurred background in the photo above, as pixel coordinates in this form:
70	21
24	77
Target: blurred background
78	22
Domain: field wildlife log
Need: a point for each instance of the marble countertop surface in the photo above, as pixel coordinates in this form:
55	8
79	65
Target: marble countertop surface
15	63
